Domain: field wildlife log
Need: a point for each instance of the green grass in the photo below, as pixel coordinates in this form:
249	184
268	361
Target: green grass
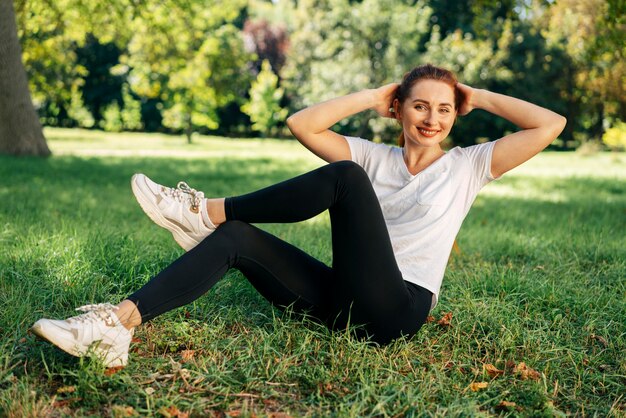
540	280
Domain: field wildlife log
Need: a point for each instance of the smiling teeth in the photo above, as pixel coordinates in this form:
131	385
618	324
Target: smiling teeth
427	132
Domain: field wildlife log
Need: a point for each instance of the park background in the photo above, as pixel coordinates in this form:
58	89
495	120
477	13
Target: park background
238	68
532	316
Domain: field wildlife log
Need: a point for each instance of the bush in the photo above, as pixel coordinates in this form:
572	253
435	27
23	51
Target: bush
112	118
615	137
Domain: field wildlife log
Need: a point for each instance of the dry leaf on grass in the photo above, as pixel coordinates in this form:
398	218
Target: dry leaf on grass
476	386
66	389
505	405
526	372
600	339
123	411
430	318
112	370
492	370
187	355
173	412
445	319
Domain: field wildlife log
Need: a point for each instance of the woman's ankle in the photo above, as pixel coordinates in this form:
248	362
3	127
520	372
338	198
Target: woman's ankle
216	211
128	314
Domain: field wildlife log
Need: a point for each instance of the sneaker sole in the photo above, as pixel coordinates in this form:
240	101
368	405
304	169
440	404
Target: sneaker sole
63	345
146	205
109	359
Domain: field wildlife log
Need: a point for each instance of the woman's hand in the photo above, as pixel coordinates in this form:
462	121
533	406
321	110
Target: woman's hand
383	99
467	105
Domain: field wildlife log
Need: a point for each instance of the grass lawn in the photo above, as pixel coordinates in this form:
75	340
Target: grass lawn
537	295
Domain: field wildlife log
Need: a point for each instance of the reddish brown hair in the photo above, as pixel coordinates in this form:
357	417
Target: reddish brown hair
426	72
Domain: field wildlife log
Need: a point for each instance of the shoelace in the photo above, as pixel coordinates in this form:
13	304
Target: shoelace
184	192
95	312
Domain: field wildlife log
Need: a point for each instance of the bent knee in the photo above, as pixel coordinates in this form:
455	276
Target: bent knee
234	227
348	170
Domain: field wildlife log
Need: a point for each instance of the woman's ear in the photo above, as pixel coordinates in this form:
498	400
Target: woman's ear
396	109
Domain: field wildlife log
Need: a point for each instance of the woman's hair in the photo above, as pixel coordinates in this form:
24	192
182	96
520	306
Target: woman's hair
426	72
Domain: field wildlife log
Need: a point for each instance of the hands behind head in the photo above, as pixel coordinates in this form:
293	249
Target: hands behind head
467	94
384	100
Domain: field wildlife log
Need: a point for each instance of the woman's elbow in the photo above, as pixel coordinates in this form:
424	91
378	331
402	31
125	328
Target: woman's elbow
292	122
560	124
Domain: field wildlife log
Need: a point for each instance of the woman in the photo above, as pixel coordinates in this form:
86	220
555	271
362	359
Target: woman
394	211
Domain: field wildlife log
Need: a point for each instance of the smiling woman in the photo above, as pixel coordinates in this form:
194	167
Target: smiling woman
395	212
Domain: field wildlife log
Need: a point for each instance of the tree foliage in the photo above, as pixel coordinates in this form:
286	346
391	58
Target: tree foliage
190	56
263	107
189	65
338	47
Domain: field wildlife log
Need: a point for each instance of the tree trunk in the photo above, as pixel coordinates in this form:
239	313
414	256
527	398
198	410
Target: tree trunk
20	129
188	127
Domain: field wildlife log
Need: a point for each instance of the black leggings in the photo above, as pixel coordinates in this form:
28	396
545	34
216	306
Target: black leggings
363	287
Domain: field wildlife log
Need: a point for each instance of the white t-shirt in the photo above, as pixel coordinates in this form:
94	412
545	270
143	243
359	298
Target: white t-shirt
424	212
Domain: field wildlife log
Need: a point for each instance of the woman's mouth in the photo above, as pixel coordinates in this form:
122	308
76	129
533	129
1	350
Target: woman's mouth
428	132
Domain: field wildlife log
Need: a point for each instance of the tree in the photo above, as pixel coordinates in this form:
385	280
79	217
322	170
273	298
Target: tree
339	46
591	32
267	42
190	56
264	104
20	129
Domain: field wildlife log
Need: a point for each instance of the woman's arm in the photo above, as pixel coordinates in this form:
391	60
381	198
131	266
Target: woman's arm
311	126
540	126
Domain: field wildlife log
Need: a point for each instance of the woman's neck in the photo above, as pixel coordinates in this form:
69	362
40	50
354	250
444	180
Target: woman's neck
418	158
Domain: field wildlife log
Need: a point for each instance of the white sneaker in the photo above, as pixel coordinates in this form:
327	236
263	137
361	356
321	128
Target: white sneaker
98	331
182	210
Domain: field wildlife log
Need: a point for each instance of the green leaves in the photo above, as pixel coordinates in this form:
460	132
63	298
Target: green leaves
189	55
264	104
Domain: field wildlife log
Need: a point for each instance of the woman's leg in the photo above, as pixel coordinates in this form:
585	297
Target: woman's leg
282	273
364	285
367	286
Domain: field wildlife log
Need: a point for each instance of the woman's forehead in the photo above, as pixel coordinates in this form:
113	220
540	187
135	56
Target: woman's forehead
432	91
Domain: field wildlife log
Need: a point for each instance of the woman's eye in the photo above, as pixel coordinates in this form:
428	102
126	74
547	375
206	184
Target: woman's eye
420	107
445	110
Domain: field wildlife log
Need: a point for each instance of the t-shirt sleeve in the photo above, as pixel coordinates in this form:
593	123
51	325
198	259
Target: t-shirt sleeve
479	157
359	149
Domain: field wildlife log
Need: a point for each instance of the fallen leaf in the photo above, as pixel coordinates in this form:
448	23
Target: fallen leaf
430	318
476	386
492	370
600	339
149	391
445	319
526	372
66	389
503	405
123	411
187	355
112	370
279	415
65	402
173	412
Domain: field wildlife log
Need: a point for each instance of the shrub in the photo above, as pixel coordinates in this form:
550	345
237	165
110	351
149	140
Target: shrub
615	137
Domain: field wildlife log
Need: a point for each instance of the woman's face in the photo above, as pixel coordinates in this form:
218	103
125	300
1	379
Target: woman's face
428	114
